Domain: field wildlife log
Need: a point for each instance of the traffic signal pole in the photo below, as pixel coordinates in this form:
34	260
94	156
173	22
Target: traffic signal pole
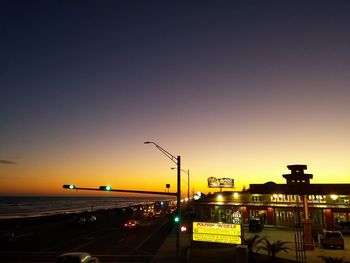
109	189
177	161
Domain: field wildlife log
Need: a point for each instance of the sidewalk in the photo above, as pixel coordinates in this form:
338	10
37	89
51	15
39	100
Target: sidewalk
167	251
197	253
207	253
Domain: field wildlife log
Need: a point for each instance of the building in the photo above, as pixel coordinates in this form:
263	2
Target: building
281	204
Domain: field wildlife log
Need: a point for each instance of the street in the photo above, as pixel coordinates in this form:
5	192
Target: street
106	238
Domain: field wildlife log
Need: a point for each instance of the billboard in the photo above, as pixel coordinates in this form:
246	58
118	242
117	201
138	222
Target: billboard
214	182
217	232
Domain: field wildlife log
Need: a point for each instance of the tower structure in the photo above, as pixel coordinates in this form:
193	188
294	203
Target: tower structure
297	175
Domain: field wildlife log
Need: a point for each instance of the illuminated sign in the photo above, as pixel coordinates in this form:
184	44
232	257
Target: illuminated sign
217	232
237	218
220	182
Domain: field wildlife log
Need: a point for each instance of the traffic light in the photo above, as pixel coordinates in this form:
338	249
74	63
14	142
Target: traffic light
106	188
69	186
177	219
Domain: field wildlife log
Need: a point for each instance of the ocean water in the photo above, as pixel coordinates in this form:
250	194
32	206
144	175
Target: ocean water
33	206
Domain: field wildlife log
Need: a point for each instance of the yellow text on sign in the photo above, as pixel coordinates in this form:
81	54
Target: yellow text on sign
217	232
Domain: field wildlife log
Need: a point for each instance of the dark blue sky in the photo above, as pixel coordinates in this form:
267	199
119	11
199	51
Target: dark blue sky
245	74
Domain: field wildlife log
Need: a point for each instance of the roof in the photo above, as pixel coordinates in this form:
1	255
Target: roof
321	189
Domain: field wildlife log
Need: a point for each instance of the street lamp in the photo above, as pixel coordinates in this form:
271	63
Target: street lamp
177	161
188	181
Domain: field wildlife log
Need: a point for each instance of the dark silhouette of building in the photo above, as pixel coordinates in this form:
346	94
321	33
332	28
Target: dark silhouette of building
297	175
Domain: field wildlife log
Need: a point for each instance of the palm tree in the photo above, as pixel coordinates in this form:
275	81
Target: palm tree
272	248
328	259
252	242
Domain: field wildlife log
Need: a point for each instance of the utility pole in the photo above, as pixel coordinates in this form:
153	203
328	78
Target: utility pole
177	161
178	206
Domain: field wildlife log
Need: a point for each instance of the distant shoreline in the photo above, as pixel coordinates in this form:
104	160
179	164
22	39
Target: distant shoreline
9	223
23	207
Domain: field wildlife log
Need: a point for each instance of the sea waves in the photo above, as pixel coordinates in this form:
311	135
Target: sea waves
33	206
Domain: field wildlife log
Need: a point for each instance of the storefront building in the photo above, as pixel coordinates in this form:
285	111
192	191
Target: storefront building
325	211
281	204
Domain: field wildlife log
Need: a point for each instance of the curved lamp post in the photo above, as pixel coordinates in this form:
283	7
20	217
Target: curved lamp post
177	161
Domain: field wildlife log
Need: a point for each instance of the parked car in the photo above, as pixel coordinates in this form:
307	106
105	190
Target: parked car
91	219
255	225
76	257
332	239
131	224
343	227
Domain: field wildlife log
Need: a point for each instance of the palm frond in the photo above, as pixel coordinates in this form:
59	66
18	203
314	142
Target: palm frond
252	242
272	248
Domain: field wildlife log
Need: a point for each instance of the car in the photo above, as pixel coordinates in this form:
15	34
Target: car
150	215
131	224
344	227
169	212
91	219
81	220
332	239
7	236
255	225
76	257
157	213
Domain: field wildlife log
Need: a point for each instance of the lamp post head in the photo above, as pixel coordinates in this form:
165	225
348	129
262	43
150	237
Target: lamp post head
147	142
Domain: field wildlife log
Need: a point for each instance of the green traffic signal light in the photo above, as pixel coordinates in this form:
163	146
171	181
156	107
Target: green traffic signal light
106	188
176	219
69	186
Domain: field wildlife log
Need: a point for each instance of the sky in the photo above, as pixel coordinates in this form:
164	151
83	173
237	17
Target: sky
238	89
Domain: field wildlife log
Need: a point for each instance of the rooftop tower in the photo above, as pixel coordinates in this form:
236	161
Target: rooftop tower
297	175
